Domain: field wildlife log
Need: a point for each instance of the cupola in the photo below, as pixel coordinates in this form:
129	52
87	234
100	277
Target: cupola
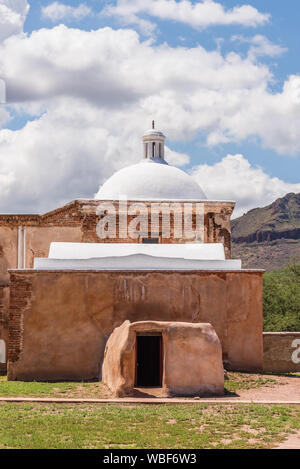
154	144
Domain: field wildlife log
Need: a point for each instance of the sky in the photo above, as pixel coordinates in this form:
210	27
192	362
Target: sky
84	79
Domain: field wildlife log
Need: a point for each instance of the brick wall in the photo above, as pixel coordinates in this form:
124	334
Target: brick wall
216	224
20	295
281	352
4	299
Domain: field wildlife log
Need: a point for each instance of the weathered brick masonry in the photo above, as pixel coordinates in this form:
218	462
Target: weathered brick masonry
78	221
4	300
216	224
20	295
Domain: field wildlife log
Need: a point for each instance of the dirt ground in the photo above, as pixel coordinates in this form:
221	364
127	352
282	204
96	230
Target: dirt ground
239	386
285	388
248	387
293	442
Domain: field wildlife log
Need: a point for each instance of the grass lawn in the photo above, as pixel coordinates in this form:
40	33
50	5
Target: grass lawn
235	382
169	426
58	389
240	381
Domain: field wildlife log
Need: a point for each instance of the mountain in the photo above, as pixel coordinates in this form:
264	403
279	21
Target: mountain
269	237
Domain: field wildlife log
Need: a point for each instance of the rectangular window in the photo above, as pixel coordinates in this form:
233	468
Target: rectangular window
150	240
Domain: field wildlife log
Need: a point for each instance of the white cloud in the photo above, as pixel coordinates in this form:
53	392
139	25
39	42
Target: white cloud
113	68
12	17
272	117
57	11
2	92
4	117
93	93
175	158
234	178
66	154
189	88
260	46
198	15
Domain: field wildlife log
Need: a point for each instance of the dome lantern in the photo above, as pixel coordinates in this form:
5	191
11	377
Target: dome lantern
154	144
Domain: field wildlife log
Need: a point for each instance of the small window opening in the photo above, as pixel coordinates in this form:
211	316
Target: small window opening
150	240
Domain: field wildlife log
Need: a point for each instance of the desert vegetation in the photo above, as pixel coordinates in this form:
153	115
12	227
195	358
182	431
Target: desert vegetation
281	299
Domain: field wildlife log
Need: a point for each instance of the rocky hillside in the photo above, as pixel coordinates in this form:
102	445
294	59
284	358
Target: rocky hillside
268	237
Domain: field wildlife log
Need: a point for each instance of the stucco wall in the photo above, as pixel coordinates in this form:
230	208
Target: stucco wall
60	320
191	354
38	239
281	352
8	251
18	248
77	222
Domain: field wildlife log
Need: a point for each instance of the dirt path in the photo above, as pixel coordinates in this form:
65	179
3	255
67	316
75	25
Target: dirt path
293	442
286	389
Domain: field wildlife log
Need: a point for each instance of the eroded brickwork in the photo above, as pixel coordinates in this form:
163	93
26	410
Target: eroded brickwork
4	294
216	224
218	229
20	294
3	306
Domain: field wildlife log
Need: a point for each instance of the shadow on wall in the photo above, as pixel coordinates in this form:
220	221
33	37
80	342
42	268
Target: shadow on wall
2	351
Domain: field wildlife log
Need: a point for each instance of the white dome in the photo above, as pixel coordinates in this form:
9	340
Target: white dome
150	180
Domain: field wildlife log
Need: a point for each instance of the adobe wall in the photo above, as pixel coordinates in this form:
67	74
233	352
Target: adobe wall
60	320
39	233
77	222
281	352
191	353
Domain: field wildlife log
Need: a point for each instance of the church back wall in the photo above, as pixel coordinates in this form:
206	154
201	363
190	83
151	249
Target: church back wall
23	237
59	321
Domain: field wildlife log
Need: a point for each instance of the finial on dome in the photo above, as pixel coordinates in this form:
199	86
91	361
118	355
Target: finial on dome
153	126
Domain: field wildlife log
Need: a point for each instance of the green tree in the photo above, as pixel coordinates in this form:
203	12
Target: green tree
281	299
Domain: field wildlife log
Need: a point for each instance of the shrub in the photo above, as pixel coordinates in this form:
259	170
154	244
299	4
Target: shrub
281	299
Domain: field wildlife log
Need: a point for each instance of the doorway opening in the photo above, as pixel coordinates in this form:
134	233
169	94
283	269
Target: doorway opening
149	360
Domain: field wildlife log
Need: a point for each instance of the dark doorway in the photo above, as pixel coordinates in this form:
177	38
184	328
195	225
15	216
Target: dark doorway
149	363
